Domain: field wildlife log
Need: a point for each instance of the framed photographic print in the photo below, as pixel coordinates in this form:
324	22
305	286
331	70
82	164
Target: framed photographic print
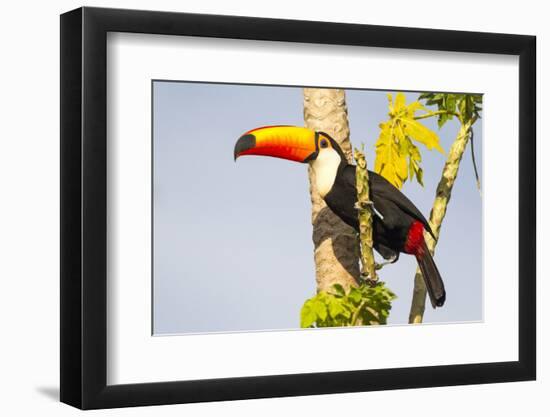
258	207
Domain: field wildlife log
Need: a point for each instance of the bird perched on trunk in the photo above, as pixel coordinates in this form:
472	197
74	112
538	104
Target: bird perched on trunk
398	226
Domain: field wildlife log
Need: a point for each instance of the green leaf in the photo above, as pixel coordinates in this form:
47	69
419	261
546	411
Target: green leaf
307	315
442	119
462	106
327	309
466	105
355	295
335	308
450	103
420	176
339	289
320	309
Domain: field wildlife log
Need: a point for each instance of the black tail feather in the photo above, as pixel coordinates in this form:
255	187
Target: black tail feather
432	278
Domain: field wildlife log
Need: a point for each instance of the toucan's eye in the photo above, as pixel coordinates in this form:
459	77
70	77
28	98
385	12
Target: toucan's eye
323	143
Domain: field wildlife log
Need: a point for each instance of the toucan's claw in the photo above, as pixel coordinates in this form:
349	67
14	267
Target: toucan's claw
365	277
391	260
364	205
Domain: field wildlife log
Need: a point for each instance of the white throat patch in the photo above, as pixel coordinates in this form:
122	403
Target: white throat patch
325	167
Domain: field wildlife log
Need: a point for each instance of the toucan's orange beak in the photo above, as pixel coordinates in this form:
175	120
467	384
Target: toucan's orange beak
286	142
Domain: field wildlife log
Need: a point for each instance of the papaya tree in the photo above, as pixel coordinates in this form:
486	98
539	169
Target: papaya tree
466	109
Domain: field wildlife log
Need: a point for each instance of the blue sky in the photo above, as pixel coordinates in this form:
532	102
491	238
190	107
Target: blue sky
232	241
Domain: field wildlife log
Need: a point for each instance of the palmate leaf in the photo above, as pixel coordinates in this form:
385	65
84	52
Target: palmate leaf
397	157
420	133
307	315
390	161
338	307
465	106
415	171
320	309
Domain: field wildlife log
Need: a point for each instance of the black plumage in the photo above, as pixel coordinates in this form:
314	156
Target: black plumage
395	212
393	221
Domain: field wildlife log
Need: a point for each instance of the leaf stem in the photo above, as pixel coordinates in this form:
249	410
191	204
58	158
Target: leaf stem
357	312
435	113
478	182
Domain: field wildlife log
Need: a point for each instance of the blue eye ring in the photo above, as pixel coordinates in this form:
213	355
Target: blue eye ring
323	143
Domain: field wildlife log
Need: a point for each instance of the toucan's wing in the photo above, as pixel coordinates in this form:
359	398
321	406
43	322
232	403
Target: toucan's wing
384	196
382	188
343	200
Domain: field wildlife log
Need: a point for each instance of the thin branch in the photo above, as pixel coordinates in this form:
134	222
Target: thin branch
364	215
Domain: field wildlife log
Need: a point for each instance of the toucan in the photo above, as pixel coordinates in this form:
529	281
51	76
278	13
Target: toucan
398	226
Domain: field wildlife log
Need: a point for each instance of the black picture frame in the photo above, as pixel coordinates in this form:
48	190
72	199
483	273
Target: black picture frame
84	197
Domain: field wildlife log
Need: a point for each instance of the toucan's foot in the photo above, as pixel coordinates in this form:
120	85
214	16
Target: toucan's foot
391	260
364	205
368	280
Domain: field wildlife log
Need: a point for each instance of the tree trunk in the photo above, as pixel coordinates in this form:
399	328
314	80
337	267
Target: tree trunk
336	247
442	198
